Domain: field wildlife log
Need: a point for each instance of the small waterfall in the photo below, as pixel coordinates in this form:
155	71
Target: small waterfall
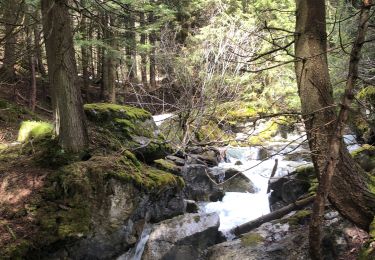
137	252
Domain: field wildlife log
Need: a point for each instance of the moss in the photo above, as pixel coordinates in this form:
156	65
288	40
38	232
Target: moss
372	229
166	165
307	174
11	113
235	111
363	149
16	250
210	131
104	111
47	152
197	218
265	135
298	218
34	130
251	239
129	155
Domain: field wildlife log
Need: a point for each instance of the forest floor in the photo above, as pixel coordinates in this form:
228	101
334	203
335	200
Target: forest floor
20	179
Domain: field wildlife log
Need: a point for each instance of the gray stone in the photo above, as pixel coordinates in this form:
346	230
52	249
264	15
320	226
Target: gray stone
236	181
198	184
183	237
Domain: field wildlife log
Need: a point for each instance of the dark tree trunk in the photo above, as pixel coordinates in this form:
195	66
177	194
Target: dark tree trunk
85	54
349	192
131	48
143	54
152	40
31	60
108	61
62	72
13	11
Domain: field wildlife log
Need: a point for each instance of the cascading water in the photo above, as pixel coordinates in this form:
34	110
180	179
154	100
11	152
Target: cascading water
136	253
237	208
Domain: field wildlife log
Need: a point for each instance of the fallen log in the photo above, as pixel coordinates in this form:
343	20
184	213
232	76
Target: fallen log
246	227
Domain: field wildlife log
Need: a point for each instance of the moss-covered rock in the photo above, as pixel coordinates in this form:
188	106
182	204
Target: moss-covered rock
251	239
365	156
34	130
127	127
299	218
168	166
307	174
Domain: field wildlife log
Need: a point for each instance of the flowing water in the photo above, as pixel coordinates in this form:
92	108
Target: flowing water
136	253
237	208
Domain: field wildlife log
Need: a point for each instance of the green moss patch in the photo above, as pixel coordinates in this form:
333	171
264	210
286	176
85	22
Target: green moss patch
100	112
299	218
34	130
167	165
365	148
251	239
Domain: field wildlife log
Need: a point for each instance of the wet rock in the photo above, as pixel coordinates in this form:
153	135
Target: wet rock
191	206
288	239
236	181
177	160
183	237
237	163
288	189
198	184
262	154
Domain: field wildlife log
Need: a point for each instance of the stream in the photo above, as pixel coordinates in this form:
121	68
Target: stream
256	163
237	208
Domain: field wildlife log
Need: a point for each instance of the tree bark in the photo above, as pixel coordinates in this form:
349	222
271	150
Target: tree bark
13	11
131	48
349	192
62	72
152	40
31	59
85	53
336	142
108	61
143	54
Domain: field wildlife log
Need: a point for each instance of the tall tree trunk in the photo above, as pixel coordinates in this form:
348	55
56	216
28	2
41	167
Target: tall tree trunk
349	192
143	54
131	48
108	61
62	72
31	58
13	11
152	40
336	142
85	53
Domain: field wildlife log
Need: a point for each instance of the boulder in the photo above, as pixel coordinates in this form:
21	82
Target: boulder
191	206
168	165
288	189
365	156
133	127
198	184
177	160
183	237
236	181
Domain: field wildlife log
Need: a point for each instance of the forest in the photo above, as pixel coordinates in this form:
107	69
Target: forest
187	130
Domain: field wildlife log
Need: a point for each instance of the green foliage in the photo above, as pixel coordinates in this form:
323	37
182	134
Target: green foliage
34	130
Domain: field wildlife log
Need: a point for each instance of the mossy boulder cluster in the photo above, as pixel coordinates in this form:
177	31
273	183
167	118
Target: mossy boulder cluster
130	127
91	204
